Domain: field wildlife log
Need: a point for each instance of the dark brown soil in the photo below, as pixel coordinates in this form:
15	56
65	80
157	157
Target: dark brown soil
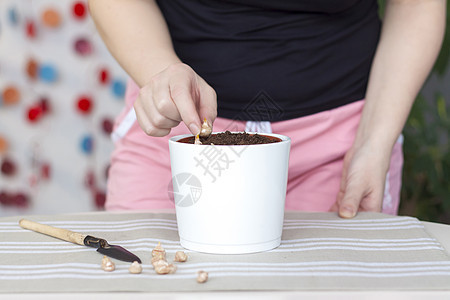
228	138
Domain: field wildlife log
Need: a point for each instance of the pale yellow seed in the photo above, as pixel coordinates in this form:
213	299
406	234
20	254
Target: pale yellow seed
202	276
159	263
197	140
165	269
107	264
180	256
161	270
206	129
135	268
158	259
158	250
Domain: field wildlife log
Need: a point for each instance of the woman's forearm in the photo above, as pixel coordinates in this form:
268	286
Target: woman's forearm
136	34
411	37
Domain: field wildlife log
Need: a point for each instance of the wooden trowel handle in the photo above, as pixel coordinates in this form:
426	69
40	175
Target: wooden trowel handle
63	234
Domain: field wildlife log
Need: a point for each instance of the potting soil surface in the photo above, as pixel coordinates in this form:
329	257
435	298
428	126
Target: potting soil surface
235	138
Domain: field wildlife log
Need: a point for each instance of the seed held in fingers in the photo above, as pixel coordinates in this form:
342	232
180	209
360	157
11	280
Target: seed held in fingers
197	140
206	129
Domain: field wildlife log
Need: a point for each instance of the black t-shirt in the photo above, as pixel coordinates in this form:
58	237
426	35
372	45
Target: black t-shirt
271	60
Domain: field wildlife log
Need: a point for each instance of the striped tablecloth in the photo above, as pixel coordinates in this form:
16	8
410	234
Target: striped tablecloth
319	251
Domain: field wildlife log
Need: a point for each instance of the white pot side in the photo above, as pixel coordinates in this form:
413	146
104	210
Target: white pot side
230	199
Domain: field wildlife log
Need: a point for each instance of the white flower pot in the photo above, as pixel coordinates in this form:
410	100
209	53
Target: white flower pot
230	199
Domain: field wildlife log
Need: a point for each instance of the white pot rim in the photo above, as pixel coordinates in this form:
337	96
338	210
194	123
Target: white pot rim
284	139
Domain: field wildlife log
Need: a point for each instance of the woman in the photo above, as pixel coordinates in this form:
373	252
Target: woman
325	73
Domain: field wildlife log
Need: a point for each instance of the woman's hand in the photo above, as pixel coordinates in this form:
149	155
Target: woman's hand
410	40
171	91
362	182
176	94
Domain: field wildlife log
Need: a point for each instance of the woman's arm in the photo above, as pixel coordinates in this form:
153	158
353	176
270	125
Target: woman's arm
410	41
136	34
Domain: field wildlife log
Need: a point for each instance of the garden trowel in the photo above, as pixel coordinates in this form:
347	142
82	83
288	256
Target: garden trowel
102	245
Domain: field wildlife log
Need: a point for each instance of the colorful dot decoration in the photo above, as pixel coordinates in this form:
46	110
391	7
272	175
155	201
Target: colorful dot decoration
79	10
30	29
34	113
118	88
84	105
12	16
103	76
87	144
4	198
32	68
99	199
83	47
89	180
44	104
10	95
107	125
8	199
38	110
8	167
36	104
48	73
45	171
99	196
3	145
51	18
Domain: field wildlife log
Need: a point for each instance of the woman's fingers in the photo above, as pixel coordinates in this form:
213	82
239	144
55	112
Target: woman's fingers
181	95
208	102
342	185
174	95
146	124
355	191
362	183
193	97
162	100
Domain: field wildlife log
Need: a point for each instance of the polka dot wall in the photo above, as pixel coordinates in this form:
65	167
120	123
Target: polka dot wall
60	90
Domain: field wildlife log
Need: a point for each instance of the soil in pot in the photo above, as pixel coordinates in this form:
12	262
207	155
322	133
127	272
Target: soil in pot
235	138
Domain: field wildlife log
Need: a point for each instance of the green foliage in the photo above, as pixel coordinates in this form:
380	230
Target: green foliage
381	7
426	171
